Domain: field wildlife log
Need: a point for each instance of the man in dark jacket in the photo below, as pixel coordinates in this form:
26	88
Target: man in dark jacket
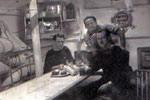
114	62
59	54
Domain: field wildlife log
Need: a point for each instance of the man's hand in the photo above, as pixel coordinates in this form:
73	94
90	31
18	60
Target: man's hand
93	39
105	87
60	66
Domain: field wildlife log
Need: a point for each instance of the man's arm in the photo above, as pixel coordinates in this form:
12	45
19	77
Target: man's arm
119	32
47	64
94	64
79	44
69	55
87	40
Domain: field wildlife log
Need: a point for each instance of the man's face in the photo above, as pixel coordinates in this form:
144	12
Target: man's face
59	43
90	24
102	40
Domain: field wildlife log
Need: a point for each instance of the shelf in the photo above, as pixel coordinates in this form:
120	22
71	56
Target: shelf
40	18
28	19
52	31
69	20
45	36
50	2
51	15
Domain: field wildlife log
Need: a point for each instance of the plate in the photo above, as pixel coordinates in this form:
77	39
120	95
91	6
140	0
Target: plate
59	73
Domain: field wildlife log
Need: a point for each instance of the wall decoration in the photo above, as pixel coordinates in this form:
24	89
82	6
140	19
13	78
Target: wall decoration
123	19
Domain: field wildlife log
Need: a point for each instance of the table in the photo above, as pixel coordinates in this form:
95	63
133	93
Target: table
41	88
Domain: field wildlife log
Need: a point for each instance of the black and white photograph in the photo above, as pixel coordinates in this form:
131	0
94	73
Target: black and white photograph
74	49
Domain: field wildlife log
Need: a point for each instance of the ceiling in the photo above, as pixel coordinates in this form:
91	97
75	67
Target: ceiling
8	4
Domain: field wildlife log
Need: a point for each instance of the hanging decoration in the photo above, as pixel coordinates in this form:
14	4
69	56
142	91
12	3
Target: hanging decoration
122	19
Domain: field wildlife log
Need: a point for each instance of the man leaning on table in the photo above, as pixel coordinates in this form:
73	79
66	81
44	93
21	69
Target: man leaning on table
59	54
112	59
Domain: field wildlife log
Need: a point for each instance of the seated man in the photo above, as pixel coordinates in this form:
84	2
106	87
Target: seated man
59	54
115	65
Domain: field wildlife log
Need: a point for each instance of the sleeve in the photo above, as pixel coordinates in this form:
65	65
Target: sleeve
68	55
121	58
47	65
112	29
94	65
83	39
87	40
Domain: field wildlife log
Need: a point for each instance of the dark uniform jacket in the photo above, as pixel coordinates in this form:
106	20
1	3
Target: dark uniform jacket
114	62
54	58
